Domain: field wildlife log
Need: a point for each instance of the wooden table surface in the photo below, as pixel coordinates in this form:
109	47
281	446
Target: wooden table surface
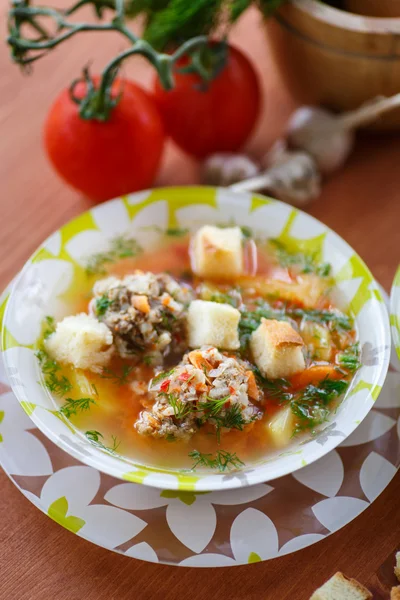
38	559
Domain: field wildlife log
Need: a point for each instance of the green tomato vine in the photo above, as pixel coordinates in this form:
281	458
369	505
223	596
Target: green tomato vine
182	25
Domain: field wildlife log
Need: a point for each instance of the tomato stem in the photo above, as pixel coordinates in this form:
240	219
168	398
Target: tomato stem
98	102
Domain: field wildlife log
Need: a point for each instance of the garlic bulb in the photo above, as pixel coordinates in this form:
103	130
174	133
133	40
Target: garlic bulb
329	138
293	177
317	131
226	169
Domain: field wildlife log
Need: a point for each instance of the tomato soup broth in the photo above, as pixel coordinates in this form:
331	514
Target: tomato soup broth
277	285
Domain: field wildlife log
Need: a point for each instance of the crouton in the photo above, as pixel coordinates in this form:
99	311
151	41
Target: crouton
280	428
277	349
217	253
81	341
340	587
213	324
395	593
397	567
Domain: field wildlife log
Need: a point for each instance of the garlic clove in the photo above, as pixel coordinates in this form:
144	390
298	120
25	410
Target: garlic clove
226	169
294	178
318	132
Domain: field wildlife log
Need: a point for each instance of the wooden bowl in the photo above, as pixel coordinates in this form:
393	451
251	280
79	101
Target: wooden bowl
374	8
336	58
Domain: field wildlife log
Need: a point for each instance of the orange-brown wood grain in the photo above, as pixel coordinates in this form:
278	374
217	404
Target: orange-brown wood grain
38	559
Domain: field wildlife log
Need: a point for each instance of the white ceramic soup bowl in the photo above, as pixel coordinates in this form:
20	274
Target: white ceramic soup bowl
57	265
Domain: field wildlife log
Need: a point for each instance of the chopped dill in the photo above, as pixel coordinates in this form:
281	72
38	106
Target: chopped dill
95	438
117	378
222	460
169	232
221	298
73	407
213	406
251	319
181	409
334	319
49	327
120	247
103	304
55	383
230	417
274	388
161	376
310	405
350	358
176	231
247	232
306	263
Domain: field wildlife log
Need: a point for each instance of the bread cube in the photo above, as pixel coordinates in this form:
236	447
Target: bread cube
280	428
397	567
213	324
217	253
340	587
395	593
277	349
81	341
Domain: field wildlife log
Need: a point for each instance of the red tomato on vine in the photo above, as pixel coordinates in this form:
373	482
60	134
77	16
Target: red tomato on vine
203	118
106	158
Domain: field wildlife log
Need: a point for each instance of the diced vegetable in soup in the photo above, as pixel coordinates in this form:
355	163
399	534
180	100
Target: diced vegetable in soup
205	353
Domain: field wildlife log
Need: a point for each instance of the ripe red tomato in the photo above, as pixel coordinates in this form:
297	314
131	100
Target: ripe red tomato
215	118
106	159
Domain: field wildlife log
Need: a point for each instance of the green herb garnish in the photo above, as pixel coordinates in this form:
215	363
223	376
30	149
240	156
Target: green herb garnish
170	437
55	383
310	405
117	378
95	438
334	319
306	263
274	388
176	231
49	327
251	319
102	305
181	409
213	406
350	358
230	417
73	407
120	247
221	298
161	376
222	460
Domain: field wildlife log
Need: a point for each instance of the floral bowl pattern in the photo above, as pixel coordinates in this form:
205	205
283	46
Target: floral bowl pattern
57	265
395	312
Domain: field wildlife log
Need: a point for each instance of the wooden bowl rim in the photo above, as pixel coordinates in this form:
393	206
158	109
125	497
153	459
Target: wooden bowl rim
346	20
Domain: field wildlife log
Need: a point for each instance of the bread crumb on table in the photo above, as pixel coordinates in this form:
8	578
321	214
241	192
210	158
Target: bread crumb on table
397	567
395	593
340	587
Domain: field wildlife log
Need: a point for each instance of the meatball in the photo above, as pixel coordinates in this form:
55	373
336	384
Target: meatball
145	312
205	387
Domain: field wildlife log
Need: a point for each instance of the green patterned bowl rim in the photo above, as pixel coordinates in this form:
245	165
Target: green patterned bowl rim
58	263
395	311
